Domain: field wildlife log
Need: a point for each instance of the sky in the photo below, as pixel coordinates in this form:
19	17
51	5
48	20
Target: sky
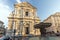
45	8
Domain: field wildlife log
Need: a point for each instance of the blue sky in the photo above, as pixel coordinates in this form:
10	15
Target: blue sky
45	8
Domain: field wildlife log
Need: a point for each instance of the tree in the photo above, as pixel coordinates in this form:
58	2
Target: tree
42	27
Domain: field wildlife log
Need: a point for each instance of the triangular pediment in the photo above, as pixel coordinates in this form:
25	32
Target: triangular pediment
25	4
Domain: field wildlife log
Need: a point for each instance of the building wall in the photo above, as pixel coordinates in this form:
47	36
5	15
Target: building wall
2	29
24	15
55	20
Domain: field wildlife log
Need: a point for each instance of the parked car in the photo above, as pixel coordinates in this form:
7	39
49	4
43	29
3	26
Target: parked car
5	38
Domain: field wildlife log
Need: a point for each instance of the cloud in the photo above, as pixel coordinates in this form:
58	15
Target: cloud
19	1
4	12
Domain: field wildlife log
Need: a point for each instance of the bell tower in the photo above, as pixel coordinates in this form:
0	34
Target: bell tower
23	19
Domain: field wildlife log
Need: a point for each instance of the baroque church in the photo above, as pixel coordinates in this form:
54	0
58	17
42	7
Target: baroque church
22	20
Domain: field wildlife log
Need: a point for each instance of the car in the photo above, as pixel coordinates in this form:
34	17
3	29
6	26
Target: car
5	38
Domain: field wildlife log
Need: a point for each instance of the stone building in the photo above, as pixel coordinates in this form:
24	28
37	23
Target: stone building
22	20
2	29
55	20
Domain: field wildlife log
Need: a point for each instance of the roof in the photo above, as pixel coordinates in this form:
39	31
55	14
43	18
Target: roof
57	13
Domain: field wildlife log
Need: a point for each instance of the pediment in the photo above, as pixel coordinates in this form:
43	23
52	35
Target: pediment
25	4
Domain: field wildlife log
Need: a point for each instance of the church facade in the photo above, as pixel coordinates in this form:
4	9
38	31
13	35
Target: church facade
22	20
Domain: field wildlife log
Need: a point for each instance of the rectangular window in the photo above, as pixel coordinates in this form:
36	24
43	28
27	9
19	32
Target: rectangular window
26	13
